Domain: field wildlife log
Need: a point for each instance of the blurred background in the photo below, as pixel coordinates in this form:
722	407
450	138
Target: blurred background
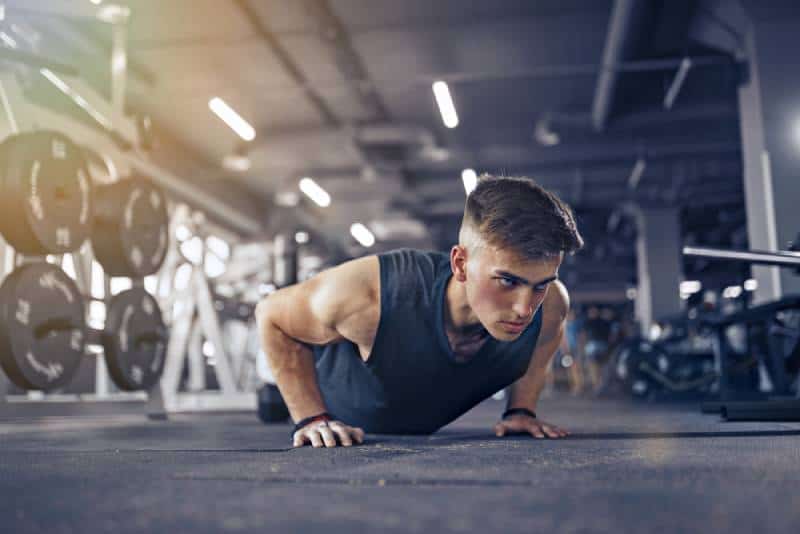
292	136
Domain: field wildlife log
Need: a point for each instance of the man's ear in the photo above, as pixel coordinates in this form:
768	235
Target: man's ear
458	262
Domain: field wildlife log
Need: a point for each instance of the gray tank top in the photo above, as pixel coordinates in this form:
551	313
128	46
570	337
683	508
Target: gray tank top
411	382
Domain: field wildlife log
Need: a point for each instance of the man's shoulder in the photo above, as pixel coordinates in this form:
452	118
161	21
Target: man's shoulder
557	299
409	273
415	255
414	261
554	308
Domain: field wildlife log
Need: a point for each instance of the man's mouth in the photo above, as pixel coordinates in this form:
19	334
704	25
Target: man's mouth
513	327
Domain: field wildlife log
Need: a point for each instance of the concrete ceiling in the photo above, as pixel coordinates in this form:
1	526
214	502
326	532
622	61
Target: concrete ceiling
340	90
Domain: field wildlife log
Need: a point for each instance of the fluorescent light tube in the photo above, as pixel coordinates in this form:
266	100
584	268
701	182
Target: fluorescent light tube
232	119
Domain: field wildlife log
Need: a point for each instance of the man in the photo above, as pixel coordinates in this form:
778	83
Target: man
407	341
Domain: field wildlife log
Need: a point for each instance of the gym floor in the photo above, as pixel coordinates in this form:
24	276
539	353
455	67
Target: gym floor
626	468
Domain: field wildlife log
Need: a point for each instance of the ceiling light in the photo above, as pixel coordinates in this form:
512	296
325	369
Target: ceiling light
113	14
8	40
445	102
470	179
236	163
435	153
362	234
96	2
315	192
232	119
637	173
301	238
287	198
544	134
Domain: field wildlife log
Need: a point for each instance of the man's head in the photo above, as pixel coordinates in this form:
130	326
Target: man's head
513	237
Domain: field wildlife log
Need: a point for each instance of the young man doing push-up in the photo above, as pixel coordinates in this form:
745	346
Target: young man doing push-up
407	341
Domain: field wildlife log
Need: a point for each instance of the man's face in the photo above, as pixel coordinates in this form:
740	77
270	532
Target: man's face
504	291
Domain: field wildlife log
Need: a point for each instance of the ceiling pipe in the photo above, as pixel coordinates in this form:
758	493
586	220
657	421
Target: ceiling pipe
291	67
624	16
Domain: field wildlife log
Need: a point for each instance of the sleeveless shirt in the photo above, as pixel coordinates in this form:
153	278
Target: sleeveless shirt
411	383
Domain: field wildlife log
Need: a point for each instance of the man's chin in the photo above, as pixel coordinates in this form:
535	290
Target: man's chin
505	334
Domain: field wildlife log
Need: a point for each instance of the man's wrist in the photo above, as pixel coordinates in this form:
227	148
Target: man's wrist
518	411
325	416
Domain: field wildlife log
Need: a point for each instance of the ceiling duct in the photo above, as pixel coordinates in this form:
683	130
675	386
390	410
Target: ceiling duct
391	146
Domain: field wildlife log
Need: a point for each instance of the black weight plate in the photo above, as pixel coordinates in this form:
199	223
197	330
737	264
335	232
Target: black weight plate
131	228
135	340
47	196
42	327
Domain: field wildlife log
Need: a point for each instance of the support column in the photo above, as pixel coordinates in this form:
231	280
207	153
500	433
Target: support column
769	106
659	266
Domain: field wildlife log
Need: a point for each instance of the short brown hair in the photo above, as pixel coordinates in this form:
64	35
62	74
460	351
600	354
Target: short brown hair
519	214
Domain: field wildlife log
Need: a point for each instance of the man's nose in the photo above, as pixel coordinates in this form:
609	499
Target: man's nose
525	304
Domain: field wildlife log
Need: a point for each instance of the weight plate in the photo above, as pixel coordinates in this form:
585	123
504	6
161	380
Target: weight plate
131	228
135	340
47	194
42	327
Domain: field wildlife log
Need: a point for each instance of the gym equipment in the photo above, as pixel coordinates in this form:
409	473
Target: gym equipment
135	340
46	198
649	370
131	227
776	352
271	408
780	258
42	327
775	336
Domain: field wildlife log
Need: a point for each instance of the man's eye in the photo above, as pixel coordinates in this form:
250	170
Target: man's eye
507	282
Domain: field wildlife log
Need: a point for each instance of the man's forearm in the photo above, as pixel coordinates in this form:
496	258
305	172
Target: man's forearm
525	392
292	364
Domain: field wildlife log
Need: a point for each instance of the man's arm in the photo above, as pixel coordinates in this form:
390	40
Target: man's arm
524	393
340	303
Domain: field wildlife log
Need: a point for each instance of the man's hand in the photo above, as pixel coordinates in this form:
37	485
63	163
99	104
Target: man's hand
525	424
327	434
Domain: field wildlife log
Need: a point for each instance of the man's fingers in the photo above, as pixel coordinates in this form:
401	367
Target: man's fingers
313	435
328	438
536	432
550	432
537	429
328	434
342	433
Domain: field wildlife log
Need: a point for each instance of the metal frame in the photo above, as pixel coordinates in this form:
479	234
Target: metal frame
193	319
727	406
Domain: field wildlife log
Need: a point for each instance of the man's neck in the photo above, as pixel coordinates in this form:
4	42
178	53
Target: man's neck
458	315
464	331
